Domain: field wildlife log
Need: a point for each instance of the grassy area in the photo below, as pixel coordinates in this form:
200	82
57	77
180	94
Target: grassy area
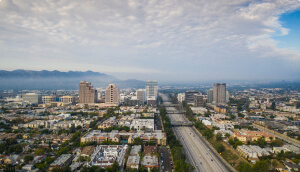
228	153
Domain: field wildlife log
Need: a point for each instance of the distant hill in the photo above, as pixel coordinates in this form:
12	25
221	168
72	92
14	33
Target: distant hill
54	80
46	73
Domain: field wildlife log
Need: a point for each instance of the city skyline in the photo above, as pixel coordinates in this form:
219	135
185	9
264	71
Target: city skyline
154	40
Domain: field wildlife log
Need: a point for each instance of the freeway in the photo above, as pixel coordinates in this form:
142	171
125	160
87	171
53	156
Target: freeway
198	153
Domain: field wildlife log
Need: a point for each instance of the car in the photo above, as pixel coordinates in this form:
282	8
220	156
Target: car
200	163
212	160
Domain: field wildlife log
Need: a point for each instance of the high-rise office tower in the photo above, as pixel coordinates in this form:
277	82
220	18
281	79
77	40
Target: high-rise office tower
151	89
198	100
141	95
112	94
87	94
189	96
219	93
210	96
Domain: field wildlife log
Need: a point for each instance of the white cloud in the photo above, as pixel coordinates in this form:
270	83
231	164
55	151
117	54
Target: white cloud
148	36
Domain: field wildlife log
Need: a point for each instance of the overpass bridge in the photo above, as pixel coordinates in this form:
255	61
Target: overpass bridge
170	105
183	123
175	111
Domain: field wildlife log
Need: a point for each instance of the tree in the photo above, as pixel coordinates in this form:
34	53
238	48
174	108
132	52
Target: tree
237	143
72	129
154	169
78	127
40	151
28	158
220	147
227	135
207	114
244	167
219	137
182	166
231	142
273	106
208	133
241	115
199	125
137	141
177	152
41	166
232	116
261	166
277	142
261	142
115	166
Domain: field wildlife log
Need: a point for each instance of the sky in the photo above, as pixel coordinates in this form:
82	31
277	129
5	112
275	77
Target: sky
165	40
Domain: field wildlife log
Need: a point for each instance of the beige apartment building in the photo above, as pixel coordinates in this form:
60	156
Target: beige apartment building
112	94
48	99
67	99
247	135
87	94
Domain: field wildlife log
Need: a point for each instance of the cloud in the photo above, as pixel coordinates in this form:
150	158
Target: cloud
161	38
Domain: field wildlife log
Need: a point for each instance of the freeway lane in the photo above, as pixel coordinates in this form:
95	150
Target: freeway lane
197	151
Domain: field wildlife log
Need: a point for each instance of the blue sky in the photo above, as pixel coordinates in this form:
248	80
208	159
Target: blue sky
290	20
194	40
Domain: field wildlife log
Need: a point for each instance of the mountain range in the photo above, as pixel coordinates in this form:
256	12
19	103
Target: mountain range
54	80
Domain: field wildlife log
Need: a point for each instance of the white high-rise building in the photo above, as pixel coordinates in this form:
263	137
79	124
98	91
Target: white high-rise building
141	95
181	97
227	96
112	94
151	89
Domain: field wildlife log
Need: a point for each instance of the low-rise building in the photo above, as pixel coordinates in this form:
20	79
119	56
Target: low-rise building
62	161
105	155
142	124
247	135
133	161
107	123
150	162
260	152
223	132
98	136
28	167
135	149
87	151
246	152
